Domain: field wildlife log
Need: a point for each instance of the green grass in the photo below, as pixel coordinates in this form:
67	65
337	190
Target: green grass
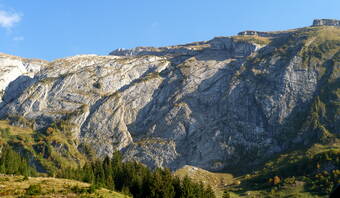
253	39
302	173
19	186
53	149
14	129
321	44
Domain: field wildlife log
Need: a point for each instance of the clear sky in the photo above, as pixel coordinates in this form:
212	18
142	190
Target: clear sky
50	29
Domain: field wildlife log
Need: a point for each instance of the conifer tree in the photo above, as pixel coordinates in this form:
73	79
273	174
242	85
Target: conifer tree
187	188
12	163
135	179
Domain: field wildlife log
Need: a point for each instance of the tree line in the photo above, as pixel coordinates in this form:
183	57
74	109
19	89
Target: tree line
12	163
136	179
131	178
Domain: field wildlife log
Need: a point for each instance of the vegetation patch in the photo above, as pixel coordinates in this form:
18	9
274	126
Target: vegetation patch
306	173
18	186
253	39
135	179
217	181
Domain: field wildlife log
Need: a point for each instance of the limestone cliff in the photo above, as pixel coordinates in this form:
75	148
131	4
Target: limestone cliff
16	69
212	104
326	22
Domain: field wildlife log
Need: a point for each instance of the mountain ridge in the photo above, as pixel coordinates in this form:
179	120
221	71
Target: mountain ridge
213	104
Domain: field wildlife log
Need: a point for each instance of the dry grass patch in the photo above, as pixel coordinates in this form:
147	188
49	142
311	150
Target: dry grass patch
17	186
253	39
14	129
216	180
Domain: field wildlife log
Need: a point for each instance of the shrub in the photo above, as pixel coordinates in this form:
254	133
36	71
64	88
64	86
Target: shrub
33	189
290	180
97	85
78	190
5	132
226	194
92	188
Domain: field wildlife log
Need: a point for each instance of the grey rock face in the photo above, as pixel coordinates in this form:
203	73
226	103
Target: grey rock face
206	104
253	33
192	49
15	75
326	22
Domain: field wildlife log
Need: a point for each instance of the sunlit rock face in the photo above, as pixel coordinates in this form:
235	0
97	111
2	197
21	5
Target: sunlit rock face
326	22
211	104
19	72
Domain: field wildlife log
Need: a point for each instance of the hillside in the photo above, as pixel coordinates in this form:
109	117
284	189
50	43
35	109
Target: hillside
18	186
262	104
312	172
218	181
47	152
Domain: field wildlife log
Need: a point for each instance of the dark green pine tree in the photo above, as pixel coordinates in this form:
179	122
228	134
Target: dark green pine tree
12	163
199	190
99	173
108	173
187	188
161	185
136	179
176	183
209	192
88	175
167	187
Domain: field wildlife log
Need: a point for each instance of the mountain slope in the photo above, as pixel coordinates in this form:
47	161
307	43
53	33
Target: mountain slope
218	181
229	103
16	74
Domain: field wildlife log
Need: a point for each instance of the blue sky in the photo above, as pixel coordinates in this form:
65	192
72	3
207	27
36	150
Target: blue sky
50	29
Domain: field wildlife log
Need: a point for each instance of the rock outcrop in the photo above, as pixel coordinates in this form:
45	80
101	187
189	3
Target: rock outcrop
253	33
211	104
16	74
326	22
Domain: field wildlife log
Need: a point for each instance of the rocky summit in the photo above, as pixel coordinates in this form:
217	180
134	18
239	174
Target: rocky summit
219	104
326	22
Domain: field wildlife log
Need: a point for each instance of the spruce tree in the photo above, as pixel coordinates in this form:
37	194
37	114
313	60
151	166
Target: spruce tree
187	188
